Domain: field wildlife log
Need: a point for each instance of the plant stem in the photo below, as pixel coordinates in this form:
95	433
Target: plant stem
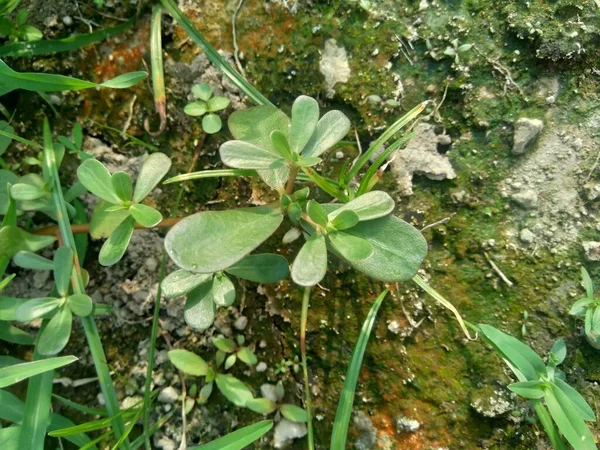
89	325
156	313
289	187
307	400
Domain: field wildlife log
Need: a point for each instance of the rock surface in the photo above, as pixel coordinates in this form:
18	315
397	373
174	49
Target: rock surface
526	133
286	431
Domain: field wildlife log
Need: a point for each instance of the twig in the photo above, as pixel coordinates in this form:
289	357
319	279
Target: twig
497	270
236	49
435	114
439	222
129	117
508	79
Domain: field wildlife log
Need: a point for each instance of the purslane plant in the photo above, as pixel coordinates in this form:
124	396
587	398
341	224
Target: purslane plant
205	106
588	308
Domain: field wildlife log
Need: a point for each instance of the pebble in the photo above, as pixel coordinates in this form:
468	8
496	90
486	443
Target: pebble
241	323
526	133
286	431
394	327
67	20
406	425
168	395
526	236
592	250
261	367
526	199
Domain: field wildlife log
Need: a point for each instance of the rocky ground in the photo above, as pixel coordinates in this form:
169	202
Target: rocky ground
506	156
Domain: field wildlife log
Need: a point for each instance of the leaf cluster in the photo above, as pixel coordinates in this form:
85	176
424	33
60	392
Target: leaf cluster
205	106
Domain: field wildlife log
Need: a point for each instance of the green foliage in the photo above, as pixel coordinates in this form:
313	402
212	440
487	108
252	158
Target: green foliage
116	215
588	308
18	29
205	106
18	372
540	382
239	439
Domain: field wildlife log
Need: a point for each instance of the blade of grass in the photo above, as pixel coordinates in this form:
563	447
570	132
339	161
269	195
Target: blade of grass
325	185
13	374
385	136
44	47
158	76
239	439
213	55
307	399
89	325
139	441
81	408
210	174
344	409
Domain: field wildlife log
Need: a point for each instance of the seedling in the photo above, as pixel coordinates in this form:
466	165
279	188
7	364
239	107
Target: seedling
74	143
236	350
19	30
588	308
120	209
205	106
272	401
545	386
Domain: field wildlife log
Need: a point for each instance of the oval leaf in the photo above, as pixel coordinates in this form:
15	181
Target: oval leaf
247	356
399	249
97	179
36	307
224	344
63	266
232	235
122	185
345	219
261	268
294	413
199	311
154	168
223	291
181	282
317	213
305	116
55	336
114	248
310	264
211	123
331	129
14	239
261	405
146	216
188	362
351	248
372	205
195	109
243	155
529	389
233	389
80	304
32	261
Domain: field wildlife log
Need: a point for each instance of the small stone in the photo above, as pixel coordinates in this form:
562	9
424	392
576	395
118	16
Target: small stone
577	144
67	20
526	133
368	437
592	191
431	89
406	425
423	5
526	236
269	392
261	367
526	199
241	323
334	66
592	250
394	327
286	431
374	99
444	139
166	444
168	395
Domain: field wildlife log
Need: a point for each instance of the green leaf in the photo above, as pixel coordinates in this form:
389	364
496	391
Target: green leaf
261	268
559	351
281	144
310	264
122	185
232	235
529	389
55	336
568	420
31	33
32	261
586	412
243	155
261	405
247	356
181	282
344	220
9	438
13	374
22	191
77	135
518	354
218	104
154	168
114	248
14	240
125	80
14	335
203	91
6	178
233	389
294	413
195	109
105	221
587	283
230	361
146	216
399	249
223	291
63	267
80	304
188	362
8	308
344	409
200	308
372	205
210	174
580	306
211	123
308	161
97	179
224	344
36	307
305	116
351	248
317	213
331	129
239	439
